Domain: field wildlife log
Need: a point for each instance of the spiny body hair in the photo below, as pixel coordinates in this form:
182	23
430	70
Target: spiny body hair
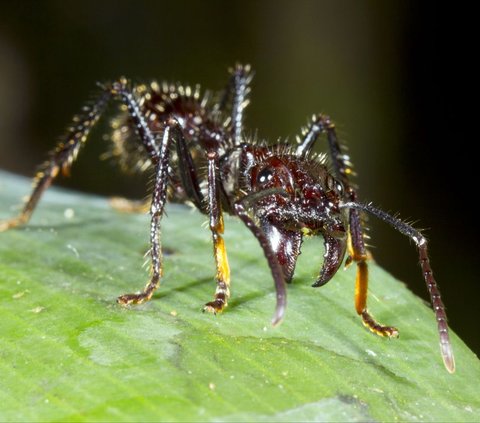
195	147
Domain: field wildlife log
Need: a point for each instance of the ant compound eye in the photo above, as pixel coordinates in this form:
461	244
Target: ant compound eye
264	176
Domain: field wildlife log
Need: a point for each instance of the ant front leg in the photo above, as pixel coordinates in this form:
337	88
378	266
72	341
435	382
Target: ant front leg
359	254
222	292
342	168
61	158
435	298
357	249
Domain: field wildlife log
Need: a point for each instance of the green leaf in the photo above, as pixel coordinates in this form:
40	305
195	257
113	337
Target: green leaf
69	352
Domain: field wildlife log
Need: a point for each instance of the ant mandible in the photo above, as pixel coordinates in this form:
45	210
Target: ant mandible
280	192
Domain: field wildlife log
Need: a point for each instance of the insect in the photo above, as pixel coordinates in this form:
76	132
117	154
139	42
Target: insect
198	153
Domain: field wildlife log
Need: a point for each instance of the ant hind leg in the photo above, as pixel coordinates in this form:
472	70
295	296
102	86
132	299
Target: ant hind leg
61	158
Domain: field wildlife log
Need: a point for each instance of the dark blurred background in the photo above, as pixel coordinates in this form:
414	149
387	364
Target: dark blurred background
393	75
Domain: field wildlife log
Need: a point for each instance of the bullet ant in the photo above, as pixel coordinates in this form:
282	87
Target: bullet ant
280	192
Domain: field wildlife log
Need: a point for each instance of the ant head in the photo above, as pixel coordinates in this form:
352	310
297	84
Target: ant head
292	197
294	193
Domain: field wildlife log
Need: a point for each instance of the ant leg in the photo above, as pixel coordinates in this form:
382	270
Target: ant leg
359	254
235	97
159	196
436	300
188	175
159	155
241	76
275	268
310	134
61	158
222	292
125	93
342	168
320	124
66	151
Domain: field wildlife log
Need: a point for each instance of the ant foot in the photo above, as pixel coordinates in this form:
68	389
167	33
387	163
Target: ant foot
215	306
377	328
132	299
5	225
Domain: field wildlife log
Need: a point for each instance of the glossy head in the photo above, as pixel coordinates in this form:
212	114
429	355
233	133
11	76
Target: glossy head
308	195
292	197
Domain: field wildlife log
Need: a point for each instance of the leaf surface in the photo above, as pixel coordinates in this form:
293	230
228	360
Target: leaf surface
69	352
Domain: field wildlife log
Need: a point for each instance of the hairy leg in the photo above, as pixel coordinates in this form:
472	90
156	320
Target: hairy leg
235	99
222	292
436	300
61	158
342	169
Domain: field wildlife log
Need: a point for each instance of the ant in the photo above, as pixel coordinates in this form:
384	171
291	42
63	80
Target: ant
199	154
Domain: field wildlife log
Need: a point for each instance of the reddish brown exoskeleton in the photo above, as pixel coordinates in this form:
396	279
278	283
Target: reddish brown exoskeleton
280	192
